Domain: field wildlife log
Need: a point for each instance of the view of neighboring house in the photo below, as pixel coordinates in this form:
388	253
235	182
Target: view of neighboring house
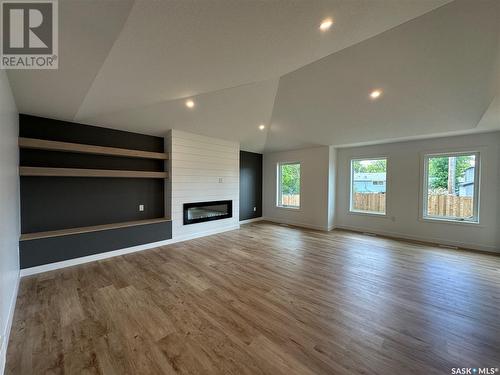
369	182
466	188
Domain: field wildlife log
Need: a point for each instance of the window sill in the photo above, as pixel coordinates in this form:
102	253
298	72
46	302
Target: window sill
449	221
289	208
368	213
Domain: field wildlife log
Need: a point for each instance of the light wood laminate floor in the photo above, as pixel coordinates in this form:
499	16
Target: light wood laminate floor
266	299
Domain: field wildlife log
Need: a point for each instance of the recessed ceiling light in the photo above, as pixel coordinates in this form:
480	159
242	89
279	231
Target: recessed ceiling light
262	126
326	24
189	103
375	94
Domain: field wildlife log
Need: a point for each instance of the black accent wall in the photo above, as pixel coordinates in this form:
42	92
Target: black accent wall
53	203
250	185
56	203
55	249
65	131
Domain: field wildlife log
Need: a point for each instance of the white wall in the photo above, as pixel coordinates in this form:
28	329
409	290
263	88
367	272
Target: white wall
9	209
332	171
313	212
197	163
498	197
404	186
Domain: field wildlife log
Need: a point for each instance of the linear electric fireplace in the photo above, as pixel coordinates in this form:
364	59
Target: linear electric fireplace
207	211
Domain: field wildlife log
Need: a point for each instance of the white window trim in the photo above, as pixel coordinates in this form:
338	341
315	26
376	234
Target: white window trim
350	184
424	186
278	186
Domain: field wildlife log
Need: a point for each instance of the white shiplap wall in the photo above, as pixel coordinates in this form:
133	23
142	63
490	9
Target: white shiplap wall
196	165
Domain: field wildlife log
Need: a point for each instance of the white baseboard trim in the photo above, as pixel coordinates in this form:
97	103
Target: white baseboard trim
115	253
429	240
6	334
90	258
260	218
294	223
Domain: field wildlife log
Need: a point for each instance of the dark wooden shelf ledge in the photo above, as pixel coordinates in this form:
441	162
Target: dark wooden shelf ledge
94	228
78	172
41	144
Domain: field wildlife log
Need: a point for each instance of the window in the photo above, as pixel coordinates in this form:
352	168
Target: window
368	185
451	186
289	185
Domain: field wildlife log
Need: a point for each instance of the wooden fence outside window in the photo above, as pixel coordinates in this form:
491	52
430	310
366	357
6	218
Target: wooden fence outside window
438	204
290	200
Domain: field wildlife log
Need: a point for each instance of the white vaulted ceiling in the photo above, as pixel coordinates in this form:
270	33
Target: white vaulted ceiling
131	64
87	31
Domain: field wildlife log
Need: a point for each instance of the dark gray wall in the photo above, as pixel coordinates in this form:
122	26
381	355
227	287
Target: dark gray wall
52	203
49	250
65	131
250	185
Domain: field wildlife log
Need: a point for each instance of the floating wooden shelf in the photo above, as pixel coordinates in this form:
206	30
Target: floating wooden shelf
94	228
41	144
78	172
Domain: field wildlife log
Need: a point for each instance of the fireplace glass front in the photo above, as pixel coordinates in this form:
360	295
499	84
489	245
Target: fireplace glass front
207	211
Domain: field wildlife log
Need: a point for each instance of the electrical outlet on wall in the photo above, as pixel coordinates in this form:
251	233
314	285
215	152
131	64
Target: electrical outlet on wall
254	209
220	180
141	207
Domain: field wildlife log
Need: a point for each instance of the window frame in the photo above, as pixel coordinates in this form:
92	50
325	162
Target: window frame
351	184
279	203
425	189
